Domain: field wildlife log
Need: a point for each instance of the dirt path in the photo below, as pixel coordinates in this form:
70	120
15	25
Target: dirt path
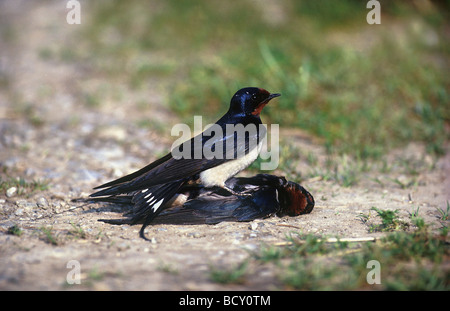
47	134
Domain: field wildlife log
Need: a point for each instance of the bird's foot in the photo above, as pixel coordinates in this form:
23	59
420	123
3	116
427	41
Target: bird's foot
142	234
240	194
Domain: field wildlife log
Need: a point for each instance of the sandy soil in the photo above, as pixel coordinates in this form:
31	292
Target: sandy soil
46	134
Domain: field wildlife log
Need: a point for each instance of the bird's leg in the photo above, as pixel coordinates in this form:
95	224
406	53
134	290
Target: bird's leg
241	194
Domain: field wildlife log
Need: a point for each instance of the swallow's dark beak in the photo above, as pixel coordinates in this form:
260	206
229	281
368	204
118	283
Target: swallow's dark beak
273	95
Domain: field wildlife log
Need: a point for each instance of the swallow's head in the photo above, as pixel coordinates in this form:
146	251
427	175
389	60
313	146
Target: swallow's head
294	200
250	100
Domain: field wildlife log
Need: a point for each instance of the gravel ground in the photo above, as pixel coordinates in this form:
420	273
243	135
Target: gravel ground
46	134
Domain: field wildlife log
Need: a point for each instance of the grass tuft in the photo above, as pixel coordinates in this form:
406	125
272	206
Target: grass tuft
234	275
23	186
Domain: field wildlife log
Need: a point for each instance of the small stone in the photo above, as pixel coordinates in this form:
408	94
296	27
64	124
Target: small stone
403	180
11	191
251	247
253	226
194	234
42	203
21	203
123	246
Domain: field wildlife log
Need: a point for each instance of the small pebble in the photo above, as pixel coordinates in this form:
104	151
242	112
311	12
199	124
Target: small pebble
11	191
42	203
253	226
194	234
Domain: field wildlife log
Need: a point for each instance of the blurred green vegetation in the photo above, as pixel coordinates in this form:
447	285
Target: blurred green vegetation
409	259
363	89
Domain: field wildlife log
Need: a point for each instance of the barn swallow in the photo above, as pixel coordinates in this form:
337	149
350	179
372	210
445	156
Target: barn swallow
154	185
269	195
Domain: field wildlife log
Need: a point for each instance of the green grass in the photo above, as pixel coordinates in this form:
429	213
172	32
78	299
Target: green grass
77	231
48	235
234	275
24	187
409	259
444	213
389	221
15	230
362	99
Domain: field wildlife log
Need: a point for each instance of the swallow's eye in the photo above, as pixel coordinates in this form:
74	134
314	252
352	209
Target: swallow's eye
254	97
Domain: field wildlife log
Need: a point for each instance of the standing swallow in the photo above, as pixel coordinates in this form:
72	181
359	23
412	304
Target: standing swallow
154	185
269	195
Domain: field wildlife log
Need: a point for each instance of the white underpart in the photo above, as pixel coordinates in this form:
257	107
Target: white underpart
217	176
